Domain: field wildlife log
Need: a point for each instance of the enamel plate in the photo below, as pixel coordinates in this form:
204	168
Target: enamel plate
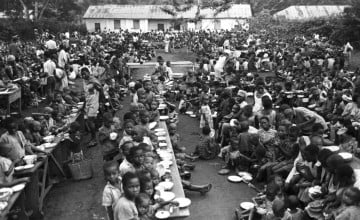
162	214
247	205
183	202
235	179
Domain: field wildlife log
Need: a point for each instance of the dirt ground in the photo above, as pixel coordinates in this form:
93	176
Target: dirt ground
82	200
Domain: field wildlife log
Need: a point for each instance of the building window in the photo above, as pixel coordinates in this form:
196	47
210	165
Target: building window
177	27
97	27
136	24
161	27
117	25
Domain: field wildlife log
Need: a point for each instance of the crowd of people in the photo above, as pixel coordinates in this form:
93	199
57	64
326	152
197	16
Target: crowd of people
285	111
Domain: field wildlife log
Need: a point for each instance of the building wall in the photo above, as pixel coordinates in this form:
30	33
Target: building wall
148	25
153	24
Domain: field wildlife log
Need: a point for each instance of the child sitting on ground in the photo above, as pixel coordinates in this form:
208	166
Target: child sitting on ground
295	211
207	149
350	209
113	189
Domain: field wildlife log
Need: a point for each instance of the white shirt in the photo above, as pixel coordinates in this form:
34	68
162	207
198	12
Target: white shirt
49	67
50	44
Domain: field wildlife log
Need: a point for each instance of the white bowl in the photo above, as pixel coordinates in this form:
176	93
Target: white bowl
30	159
49	139
113	136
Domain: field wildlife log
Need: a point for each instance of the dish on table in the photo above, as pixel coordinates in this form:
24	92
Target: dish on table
18	187
49	138
152	125
167	185
167	196
160	133
193	116
183	202
164	117
247	205
162	214
159	129
162	145
161	138
235	179
29	166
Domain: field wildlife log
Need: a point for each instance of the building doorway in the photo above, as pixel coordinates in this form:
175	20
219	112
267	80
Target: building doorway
97	27
161	27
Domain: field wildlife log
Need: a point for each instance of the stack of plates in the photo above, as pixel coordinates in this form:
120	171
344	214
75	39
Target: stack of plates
245	176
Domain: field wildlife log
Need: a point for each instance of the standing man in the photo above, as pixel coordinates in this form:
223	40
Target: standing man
49	79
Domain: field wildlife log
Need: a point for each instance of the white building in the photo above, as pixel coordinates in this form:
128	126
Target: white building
309	12
152	17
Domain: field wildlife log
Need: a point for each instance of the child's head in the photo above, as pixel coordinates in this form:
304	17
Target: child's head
272	190
131	185
351	196
282	131
145	147
265	123
142	202
206	130
324	154
111	172
344	175
129	126
125	148
136	156
144	116
107	119
155	177
333	162
279	208
317	140
147	185
5	149
310	153
293	202
317	129
172	128
149	163
154	105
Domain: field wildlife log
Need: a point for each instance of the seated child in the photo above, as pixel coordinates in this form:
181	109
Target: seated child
207	149
7	168
125	208
350	209
295	211
128	131
232	156
113	189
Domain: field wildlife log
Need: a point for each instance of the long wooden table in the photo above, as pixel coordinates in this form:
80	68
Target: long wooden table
11	97
149	65
17	198
40	185
178	188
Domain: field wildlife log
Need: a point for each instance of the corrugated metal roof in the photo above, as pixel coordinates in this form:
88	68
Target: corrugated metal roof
155	12
306	12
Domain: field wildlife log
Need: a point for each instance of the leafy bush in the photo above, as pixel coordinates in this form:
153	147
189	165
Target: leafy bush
25	29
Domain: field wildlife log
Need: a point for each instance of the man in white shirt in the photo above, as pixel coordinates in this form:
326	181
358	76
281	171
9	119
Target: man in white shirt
49	69
51	44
